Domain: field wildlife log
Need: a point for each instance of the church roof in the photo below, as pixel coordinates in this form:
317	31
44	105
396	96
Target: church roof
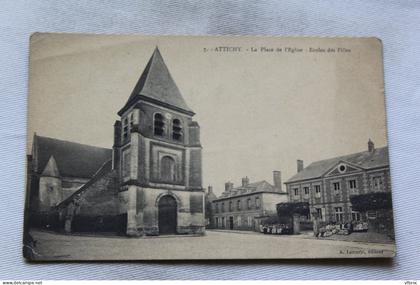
366	160
71	159
157	85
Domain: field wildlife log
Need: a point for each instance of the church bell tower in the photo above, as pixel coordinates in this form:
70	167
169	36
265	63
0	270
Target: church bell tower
157	154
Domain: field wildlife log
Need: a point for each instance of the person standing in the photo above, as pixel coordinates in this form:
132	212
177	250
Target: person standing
316	223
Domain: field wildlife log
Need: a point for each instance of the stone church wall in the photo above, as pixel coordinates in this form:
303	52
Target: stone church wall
71	185
146	113
143	215
101	197
97	208
50	193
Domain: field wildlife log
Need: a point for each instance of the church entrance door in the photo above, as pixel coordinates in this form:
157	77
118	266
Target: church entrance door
167	215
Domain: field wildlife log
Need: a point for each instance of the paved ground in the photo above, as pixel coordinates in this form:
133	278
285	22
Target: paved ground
366	237
214	245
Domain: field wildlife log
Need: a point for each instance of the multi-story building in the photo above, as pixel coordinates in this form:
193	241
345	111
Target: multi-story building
243	207
328	184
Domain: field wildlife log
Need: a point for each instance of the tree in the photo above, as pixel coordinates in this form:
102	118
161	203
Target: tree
371	201
288	209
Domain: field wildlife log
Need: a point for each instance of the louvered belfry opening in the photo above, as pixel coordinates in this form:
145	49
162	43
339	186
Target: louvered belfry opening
176	130
159	125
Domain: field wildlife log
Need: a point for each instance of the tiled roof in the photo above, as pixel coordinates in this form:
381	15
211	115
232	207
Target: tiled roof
211	196
366	160
255	187
72	159
156	84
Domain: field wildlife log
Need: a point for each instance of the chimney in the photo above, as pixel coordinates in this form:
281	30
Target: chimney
228	186
277	180
299	165
371	146
245	181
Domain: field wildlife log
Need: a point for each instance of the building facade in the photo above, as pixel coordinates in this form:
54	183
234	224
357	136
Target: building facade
243	207
328	184
152	183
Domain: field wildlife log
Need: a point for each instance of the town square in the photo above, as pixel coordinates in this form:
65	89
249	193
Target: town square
161	182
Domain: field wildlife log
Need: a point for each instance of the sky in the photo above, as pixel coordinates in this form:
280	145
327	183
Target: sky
259	110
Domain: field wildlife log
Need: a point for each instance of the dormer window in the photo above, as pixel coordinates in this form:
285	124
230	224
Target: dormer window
159	125
176	130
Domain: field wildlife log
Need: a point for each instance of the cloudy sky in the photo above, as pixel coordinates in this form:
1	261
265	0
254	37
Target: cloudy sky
258	111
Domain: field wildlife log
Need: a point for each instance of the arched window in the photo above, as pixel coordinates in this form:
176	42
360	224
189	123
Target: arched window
176	130
159	125
167	169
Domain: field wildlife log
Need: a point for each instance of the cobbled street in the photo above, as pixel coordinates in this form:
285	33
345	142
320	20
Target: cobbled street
214	245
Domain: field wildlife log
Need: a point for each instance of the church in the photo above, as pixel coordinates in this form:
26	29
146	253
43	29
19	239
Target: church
148	183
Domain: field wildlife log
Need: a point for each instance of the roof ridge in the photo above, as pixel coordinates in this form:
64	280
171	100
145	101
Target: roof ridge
259	181
346	155
364	159
142	80
66	141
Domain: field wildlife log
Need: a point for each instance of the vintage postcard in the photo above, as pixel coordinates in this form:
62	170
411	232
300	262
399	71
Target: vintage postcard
157	148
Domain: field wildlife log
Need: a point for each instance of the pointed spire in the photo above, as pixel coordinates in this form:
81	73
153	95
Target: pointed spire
157	85
51	168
